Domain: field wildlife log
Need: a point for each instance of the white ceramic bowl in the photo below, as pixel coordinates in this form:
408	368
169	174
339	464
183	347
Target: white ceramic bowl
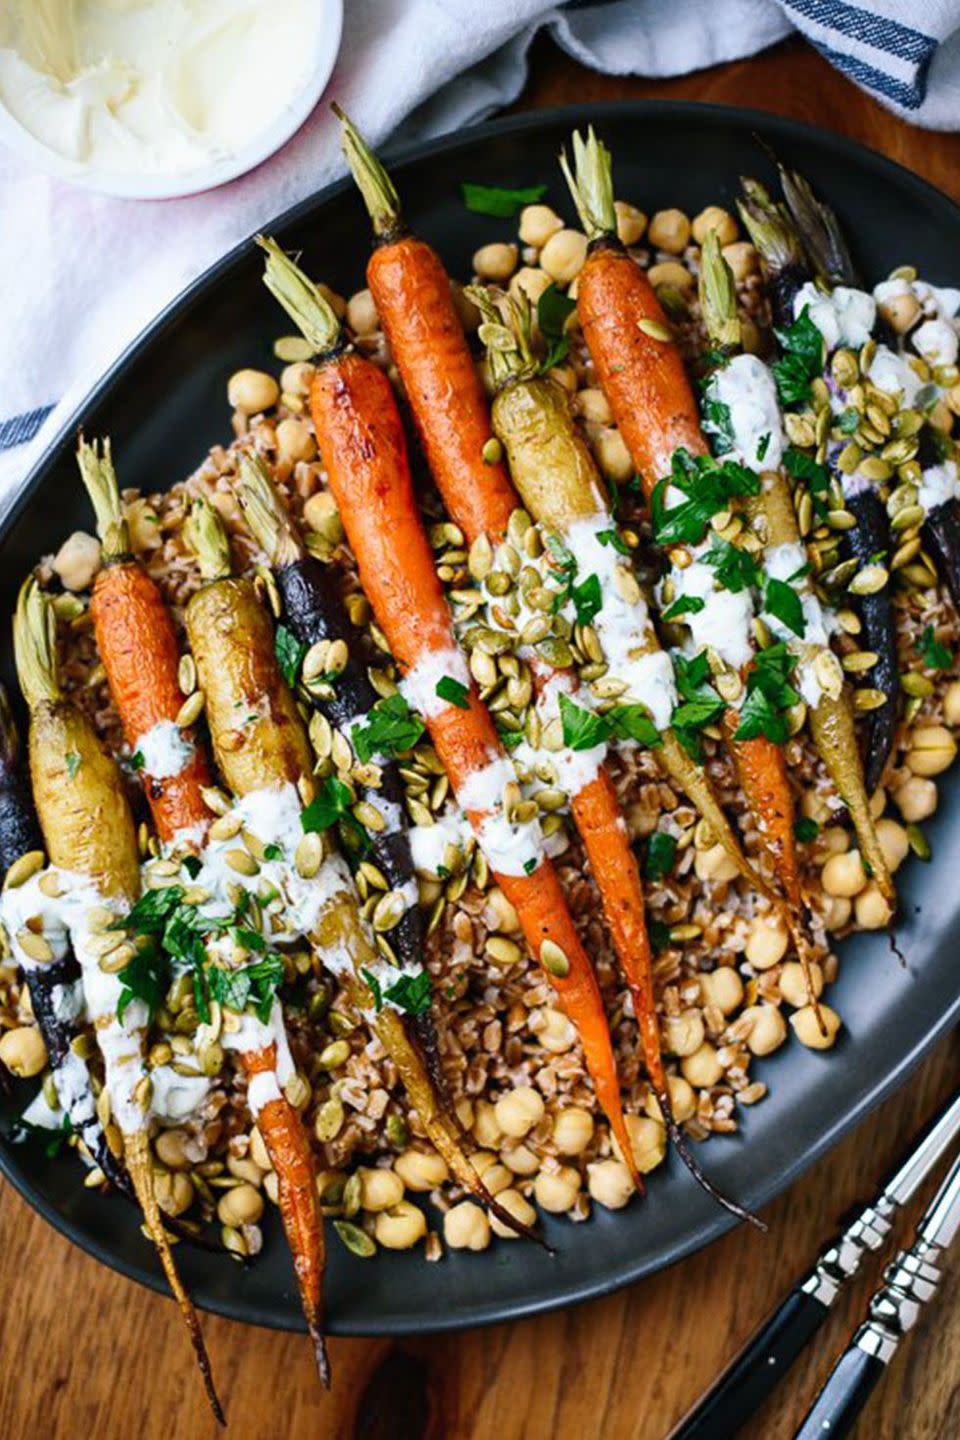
328	27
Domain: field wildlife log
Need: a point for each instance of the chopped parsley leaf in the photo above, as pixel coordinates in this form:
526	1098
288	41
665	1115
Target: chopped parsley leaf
587	599
331	803
783	603
709	486
411	993
273	852
136	761
391	727
454	691
553	310
661	853
289	652
686	605
801	360
497	200
769	696
806	829
763	446
718	424
736	569
614	538
583	729
935	656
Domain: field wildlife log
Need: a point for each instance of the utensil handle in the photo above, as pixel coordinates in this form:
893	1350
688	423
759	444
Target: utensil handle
755	1372
841	1400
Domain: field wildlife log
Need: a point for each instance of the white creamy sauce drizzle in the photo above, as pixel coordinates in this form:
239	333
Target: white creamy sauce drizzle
253	1035
65	922
419	686
428	843
723	625
510	848
125	86
43	1115
844	317
893	374
177	1097
483	788
938	485
623	627
747	387
165	750
780	562
574	769
936	341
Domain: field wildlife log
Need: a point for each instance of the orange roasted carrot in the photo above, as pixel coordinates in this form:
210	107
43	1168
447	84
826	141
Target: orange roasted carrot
289	1150
641	371
411	290
364	453
139	650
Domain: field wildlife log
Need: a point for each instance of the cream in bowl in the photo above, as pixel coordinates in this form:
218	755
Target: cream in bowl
160	97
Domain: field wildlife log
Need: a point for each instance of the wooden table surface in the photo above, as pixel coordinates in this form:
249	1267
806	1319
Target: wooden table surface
83	1351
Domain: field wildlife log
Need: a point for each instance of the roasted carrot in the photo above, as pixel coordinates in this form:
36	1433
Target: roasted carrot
360	434
139	650
89	831
642	373
411	290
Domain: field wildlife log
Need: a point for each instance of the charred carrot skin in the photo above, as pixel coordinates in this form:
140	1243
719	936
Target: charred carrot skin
641	371
412	293
140	654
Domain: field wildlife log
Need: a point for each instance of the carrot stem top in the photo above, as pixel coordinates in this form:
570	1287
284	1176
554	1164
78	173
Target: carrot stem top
99	476
35	645
373	182
303	301
205	536
506	334
718	296
819	229
264	512
769	227
591	184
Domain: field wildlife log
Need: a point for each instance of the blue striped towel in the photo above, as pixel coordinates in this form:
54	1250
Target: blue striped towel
92	271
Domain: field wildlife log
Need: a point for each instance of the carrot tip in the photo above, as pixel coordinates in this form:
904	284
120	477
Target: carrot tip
320	1353
693	1165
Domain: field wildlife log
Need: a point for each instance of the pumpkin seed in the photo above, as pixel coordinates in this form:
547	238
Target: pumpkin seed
503	951
554	959
859	661
905	553
389	911
334	1055
308	856
840	520
916	684
849	458
680	933
908	517
329	1121
655	330
190	710
226	827
870	580
242	862
918	842
215	799
23	868
357	1241
49	885
873	468
865	699
35	947
187	674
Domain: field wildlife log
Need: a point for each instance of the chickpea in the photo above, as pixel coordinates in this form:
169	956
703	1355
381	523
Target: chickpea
362	314
563	255
900	311
573	1130
714	217
742	259
519	1111
466	1227
715	864
844	875
683	1100
916	799
631	223
702	1069
170	1152
531	283
834	840
252	391
767	941
613	457
485	1127
932	750
174	1193
671	272
559	1034
893	842
77	561
421	1170
566	376
769	1029
294	441
648	1140
321	514
463	1110
245	1169
23	1052
793	985
515	1205
610	1183
495	1176
537	224
815	806
951	703
837	912
243	1205
295	379
401	1227
272	1187
496	261
669	231
557	1190
871	909
380	1189
683	1033
807	1030
144	526
258	1150
722	987
520	1159
593	405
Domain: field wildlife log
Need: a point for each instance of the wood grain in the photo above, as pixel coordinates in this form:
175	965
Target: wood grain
83	1351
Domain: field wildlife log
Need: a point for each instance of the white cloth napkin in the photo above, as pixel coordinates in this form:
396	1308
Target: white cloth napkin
82	274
